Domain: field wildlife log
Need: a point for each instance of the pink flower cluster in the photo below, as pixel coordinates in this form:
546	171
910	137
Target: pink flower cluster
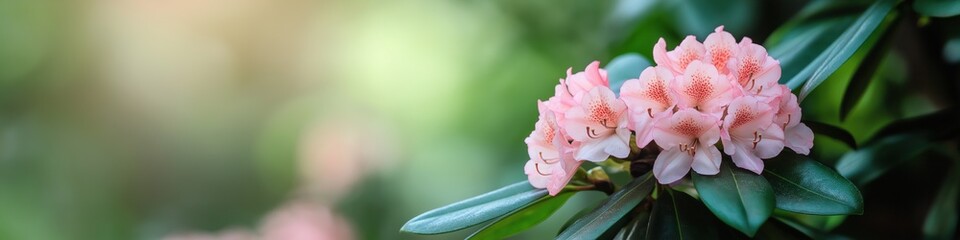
698	95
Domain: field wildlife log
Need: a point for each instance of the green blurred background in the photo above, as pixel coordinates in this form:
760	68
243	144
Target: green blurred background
141	119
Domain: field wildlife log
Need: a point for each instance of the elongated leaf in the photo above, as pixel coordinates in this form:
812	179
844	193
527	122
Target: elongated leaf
937	125
523	218
870	161
841	50
937	8
866	71
941	222
577	216
739	198
475	210
833	132
613	209
636	229
624	67
803	43
804	185
676	215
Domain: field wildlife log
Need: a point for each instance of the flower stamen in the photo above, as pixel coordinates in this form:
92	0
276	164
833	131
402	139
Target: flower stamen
757	137
537	167
548	161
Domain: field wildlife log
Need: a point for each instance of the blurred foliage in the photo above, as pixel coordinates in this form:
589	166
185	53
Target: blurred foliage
136	120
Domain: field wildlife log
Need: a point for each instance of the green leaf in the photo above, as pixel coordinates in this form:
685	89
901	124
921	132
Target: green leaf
636	229
739	198
866	72
523	218
937	8
814	226
941	221
595	223
802	42
625	67
700	17
676	215
804	185
870	161
938	125
839	51
475	210
833	132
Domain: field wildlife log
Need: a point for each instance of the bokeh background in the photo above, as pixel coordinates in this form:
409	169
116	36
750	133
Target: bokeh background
145	119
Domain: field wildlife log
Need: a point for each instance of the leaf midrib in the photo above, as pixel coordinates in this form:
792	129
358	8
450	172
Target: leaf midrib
592	221
743	205
808	190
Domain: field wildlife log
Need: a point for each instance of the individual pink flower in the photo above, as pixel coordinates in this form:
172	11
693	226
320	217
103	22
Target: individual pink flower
554	177
721	48
543	147
688	139
647	99
749	134
681	56
599	123
755	71
797	136
570	90
703	88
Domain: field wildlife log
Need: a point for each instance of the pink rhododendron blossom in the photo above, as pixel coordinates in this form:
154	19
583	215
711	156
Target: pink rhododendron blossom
544	147
721	48
703	88
647	99
599	123
798	136
688	139
749	134
571	89
681	56
756	72
699	96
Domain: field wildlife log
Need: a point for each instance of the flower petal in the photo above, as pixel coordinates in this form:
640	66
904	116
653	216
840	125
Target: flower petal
702	87
671	165
707	160
799	138
772	143
746	159
721	47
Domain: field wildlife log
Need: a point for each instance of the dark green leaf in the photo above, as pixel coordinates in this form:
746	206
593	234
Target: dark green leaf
612	210
833	132
941	222
937	125
475	210
870	161
624	67
676	215
636	229
865	72
804	185
700	17
814	226
523	218
780	230
577	216
839	51
802	44
937	8
739	198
